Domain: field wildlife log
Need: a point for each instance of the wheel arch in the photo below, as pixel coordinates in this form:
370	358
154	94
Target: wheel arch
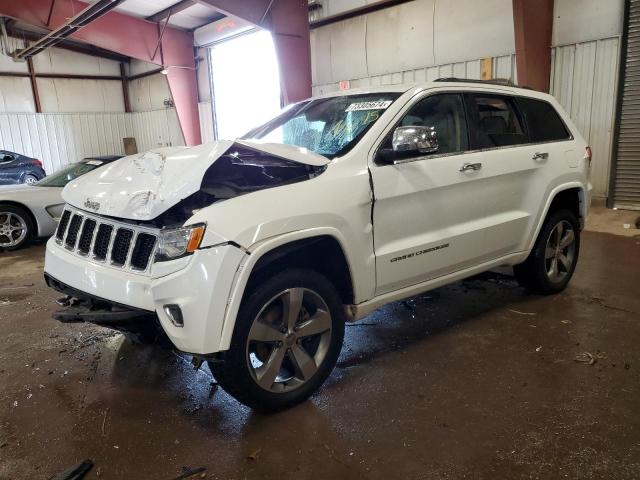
570	195
309	248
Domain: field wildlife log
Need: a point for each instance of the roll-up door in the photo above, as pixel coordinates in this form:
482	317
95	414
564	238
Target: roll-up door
626	193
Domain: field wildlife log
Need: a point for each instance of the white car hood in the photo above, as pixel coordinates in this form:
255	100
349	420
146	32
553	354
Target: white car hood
142	186
4	189
24	192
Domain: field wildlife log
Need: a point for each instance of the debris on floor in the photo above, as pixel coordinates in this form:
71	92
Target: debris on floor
522	313
589	358
104	420
254	456
188	473
76	472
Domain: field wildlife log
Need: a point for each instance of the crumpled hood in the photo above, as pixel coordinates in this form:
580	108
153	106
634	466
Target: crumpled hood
142	186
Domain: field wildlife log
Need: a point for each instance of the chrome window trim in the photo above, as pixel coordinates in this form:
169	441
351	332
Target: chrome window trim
448	91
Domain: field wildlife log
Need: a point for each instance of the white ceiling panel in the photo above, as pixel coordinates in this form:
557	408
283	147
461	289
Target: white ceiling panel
192	17
143	8
189	18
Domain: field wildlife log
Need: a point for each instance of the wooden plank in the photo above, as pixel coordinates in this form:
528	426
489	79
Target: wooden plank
486	69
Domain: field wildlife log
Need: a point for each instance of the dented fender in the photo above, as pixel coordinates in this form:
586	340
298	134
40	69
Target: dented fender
249	261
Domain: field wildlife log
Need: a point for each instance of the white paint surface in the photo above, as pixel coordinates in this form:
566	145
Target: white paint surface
577	21
403	38
57	60
75	95
149	93
15	95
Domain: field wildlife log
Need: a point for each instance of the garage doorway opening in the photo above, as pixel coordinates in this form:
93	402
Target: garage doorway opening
245	82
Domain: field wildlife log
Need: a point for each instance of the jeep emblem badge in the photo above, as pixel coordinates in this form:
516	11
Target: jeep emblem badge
95	206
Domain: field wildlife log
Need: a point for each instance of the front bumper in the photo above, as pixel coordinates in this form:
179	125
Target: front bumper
140	325
200	287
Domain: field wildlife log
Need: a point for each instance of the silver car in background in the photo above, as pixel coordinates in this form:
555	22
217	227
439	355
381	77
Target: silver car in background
33	211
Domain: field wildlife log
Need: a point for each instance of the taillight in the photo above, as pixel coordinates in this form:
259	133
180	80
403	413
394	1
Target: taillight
588	155
35	160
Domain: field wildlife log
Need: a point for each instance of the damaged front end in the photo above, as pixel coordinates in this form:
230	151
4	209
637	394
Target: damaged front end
166	186
239	171
125	250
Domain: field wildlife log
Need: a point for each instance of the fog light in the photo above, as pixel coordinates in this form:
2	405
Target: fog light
175	314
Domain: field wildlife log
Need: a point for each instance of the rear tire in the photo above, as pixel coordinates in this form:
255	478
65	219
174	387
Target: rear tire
286	341
16	227
550	265
29	179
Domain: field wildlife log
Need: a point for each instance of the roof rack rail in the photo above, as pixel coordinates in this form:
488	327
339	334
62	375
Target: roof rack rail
505	82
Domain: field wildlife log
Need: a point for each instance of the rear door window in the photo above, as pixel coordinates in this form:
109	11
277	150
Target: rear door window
496	122
543	122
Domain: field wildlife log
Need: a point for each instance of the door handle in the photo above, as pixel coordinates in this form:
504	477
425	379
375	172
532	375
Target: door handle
471	167
540	156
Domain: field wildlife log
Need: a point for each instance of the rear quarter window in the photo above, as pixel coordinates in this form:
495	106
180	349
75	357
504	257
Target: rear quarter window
543	122
497	123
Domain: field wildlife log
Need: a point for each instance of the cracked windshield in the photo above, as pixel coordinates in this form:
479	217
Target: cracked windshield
328	126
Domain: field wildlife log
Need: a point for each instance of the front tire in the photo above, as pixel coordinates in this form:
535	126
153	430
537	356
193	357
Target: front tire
551	263
287	339
16	227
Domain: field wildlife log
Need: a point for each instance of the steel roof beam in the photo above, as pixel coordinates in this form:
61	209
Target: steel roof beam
132	37
86	16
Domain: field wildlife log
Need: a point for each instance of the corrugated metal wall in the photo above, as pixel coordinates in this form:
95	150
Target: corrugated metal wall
584	78
156	128
60	138
503	67
409	37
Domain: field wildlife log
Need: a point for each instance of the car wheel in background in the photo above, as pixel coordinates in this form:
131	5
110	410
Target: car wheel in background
16	227
30	179
287	339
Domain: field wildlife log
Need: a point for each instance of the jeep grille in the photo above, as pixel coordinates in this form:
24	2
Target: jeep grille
103	240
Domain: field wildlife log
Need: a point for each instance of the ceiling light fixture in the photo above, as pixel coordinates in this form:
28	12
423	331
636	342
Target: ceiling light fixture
165	70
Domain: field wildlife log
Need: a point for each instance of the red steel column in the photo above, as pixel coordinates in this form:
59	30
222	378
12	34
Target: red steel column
128	36
533	24
289	24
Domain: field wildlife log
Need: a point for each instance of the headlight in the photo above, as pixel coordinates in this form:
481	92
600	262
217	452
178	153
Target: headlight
179	242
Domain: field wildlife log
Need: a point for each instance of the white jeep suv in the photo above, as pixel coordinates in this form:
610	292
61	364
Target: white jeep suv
251	254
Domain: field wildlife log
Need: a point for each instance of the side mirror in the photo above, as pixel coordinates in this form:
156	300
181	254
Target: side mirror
415	139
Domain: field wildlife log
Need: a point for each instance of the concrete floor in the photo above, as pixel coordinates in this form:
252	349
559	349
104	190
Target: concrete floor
475	380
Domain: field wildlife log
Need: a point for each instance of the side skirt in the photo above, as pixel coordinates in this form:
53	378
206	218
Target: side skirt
356	312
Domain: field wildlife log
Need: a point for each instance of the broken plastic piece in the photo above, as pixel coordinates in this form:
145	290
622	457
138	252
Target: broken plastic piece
196	362
64	301
77	471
